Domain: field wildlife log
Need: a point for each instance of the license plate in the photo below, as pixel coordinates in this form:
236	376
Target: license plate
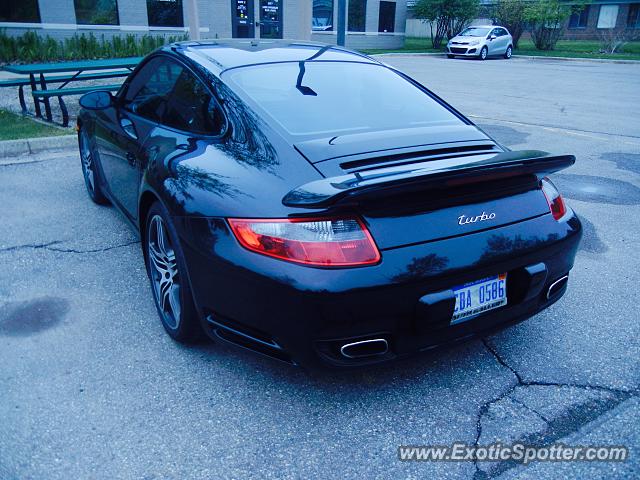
477	297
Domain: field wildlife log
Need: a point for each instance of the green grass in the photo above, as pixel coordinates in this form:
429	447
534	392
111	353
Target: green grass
13	127
564	48
411	45
579	49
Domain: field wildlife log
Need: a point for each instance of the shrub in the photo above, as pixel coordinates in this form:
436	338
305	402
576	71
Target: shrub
613	40
31	47
510	14
450	17
546	20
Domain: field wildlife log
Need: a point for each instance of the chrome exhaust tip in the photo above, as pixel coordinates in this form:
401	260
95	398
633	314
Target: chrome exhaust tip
557	286
365	348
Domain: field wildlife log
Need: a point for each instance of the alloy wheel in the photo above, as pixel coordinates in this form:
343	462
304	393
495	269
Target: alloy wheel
163	268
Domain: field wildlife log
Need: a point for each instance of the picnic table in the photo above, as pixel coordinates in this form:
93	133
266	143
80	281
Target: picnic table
42	75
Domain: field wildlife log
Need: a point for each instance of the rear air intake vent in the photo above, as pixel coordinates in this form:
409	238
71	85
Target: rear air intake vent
249	339
421	155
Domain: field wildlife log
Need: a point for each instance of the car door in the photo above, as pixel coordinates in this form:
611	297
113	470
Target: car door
138	110
192	121
493	43
503	41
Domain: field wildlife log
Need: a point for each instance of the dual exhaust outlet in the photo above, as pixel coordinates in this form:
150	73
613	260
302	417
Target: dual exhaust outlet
379	346
365	348
557	286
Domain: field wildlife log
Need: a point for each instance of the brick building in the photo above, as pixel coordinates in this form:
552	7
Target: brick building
600	16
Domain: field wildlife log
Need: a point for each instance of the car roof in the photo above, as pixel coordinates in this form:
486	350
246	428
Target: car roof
220	55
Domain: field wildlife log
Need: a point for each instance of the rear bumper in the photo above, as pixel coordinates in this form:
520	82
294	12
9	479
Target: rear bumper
304	315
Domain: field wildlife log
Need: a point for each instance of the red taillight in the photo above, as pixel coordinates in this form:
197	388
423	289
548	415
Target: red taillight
313	241
554	199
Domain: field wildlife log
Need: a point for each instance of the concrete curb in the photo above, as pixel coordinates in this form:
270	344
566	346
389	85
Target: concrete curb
407	54
528	57
32	146
575	59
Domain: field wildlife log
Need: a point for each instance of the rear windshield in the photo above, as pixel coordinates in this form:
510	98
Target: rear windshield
336	98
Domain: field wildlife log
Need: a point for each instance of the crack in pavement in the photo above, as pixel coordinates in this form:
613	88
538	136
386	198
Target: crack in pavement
30	245
105	249
531	409
50	246
559	427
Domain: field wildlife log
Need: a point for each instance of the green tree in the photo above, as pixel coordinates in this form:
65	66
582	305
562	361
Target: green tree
546	20
510	14
448	17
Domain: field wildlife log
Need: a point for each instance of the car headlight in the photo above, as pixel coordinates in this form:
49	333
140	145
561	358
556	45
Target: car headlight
474	42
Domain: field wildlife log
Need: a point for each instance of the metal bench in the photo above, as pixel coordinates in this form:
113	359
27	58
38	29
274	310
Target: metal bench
25	82
63	92
20	83
41	74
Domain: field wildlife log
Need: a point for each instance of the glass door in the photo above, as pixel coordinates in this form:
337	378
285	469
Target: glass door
242	18
270	18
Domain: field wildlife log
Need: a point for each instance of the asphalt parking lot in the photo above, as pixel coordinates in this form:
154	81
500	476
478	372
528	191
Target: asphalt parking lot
92	387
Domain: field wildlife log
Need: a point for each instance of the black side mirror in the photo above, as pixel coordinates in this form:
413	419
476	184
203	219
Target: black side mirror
492	37
98	100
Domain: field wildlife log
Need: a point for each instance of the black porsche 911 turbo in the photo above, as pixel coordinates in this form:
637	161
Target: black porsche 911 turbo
315	205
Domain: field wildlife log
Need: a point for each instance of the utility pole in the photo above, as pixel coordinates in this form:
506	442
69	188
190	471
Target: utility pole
342	22
194	19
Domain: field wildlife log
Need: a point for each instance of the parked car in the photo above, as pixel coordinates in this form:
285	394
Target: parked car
481	42
287	207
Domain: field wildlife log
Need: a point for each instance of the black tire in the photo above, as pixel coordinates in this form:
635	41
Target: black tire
484	53
90	164
450	56
508	53
167	272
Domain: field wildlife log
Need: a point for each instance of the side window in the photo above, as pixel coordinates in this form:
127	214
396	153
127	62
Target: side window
192	108
149	90
503	32
496	32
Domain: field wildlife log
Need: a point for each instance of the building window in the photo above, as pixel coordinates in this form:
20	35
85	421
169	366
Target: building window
165	13
20	11
96	12
579	18
387	17
633	21
608	16
322	18
357	15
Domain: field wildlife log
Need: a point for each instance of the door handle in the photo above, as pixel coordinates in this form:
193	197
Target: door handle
127	126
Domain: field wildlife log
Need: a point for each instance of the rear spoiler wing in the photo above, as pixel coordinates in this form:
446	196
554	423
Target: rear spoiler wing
424	176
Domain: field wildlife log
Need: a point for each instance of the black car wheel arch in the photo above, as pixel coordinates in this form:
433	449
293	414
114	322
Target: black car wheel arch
91	168
167	273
